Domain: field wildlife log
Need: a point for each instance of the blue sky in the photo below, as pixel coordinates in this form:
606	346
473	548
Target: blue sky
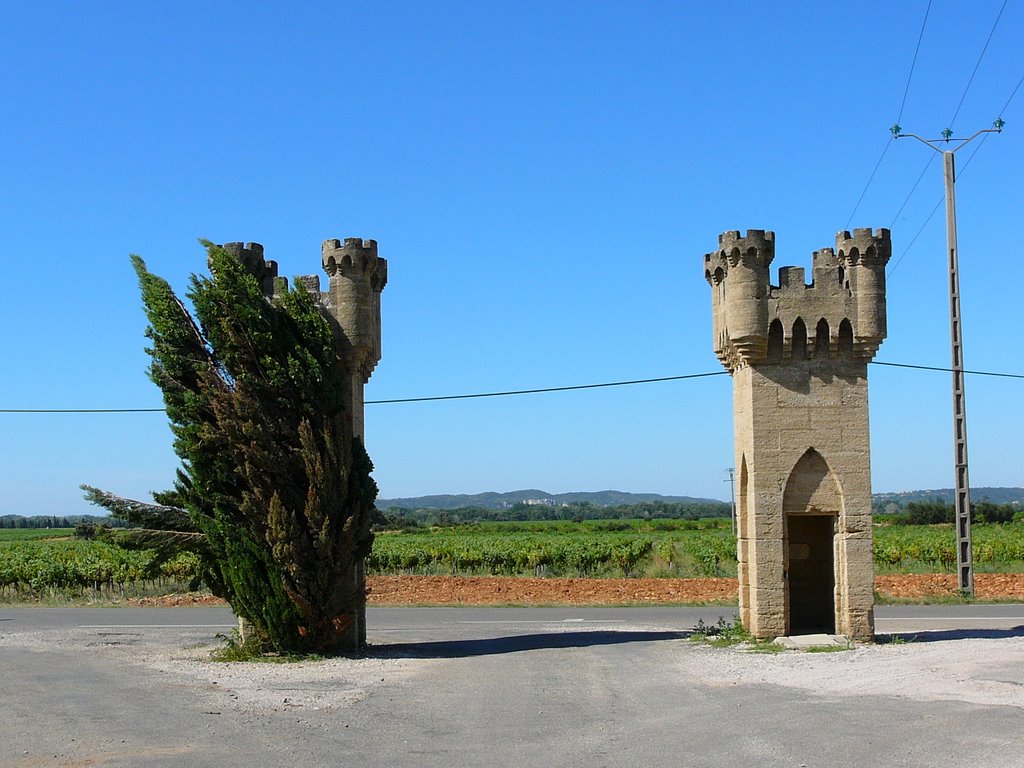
544	179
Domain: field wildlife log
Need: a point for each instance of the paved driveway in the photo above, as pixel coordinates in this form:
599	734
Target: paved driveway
509	687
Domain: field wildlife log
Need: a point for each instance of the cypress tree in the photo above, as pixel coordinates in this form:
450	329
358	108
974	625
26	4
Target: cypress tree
271	473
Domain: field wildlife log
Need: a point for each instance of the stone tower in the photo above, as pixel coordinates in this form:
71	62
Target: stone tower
356	277
798	356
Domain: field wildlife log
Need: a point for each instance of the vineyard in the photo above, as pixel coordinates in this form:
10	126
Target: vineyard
558	552
932	548
34	567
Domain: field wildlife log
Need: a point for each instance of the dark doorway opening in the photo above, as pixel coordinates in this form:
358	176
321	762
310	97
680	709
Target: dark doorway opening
811	574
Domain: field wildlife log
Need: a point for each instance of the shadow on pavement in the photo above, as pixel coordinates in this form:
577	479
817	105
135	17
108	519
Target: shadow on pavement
457	649
932	636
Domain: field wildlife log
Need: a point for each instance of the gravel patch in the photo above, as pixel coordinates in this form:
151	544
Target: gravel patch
977	671
246	687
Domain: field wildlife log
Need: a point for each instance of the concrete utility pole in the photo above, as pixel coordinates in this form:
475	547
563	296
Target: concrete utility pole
962	490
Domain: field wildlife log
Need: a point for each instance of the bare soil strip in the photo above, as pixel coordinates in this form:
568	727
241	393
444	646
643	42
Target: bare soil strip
498	590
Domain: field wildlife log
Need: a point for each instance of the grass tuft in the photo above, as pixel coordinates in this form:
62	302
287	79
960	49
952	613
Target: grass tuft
726	634
828	648
252	649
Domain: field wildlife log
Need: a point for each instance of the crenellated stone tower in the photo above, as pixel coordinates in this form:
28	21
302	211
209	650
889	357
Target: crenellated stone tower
351	303
798	356
357	275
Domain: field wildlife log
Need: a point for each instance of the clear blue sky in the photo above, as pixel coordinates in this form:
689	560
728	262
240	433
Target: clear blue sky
544	179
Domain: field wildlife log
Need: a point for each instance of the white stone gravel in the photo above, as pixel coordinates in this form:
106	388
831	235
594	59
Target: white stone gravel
249	687
978	671
307	685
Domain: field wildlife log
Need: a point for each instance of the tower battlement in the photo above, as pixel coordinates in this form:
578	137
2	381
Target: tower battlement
357	277
842	309
755	248
864	246
352	300
251	257
351	256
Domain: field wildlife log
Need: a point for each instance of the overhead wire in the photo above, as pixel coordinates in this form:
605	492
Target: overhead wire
956	113
978	63
948	370
544	389
903	103
913	189
511	392
1012	94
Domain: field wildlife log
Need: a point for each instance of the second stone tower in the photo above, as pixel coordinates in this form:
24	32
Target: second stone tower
798	356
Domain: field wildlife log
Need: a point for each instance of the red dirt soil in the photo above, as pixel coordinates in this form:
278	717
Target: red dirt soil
497	590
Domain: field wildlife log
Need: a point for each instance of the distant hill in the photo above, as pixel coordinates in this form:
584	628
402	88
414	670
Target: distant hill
995	495
492	500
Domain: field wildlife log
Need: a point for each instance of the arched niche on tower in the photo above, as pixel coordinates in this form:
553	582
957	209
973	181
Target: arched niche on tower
743	500
845	339
744	534
799	339
821	339
775	341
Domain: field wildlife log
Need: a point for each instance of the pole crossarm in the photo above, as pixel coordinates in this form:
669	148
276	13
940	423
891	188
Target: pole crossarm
997	127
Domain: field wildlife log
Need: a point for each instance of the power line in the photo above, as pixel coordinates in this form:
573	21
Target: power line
948	370
871	178
978	63
508	393
914	238
917	48
1014	93
82	410
953	120
903	103
913	189
544	389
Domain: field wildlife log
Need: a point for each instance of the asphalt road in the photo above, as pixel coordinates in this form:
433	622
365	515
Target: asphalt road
386	624
507	686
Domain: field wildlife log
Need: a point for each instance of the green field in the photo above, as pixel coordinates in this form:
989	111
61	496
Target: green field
38	563
32	534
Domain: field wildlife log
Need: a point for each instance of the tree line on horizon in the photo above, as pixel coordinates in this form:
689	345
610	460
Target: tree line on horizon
60	521
927	512
578	510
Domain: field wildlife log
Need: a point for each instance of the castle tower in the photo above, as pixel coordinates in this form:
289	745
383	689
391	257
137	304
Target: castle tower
798	356
352	303
356	277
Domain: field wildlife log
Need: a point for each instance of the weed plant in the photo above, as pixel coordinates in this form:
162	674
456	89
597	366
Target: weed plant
727	634
252	649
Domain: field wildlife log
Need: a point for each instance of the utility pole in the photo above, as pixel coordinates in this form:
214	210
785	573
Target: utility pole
732	497
961	490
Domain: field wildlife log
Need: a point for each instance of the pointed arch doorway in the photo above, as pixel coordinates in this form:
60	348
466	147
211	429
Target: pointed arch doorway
811	505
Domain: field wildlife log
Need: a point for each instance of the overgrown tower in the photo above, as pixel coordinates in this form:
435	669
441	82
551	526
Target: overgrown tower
798	356
356	277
